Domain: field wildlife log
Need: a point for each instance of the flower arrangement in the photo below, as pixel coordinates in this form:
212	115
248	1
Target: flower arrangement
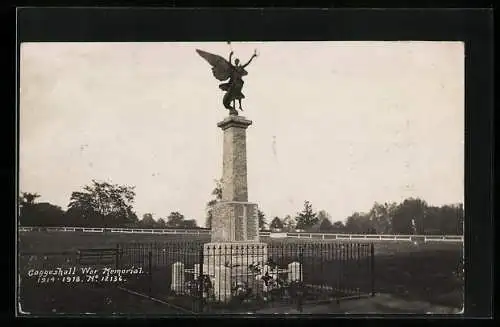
193	286
273	284
269	283
241	291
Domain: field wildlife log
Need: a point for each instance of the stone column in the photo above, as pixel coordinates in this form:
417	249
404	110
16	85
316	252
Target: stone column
234	166
235	219
235	226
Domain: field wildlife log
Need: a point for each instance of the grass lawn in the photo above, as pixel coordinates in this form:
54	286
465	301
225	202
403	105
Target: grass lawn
72	241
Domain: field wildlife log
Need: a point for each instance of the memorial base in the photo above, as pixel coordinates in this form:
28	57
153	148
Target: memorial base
235	221
229	266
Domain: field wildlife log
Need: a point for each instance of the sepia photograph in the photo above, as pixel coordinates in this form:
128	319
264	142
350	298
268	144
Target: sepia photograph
231	177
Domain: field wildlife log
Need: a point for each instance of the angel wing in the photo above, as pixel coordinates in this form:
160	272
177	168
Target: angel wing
221	68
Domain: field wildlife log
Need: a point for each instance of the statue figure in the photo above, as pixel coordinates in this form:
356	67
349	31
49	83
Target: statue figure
222	70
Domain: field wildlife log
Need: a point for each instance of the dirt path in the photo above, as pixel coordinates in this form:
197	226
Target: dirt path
380	304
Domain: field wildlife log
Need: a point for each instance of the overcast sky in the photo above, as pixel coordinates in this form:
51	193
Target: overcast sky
341	124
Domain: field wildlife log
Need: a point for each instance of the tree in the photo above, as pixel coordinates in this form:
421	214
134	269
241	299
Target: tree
26	203
217	191
46	214
147	221
161	223
289	223
32	213
409	211
451	220
358	223
322	214
189	224
326	225
431	221
103	204
175	220
381	216
444	220
217	196
262	220
412	216
276	224
209	210
324	221
461	219
338	227
307	218
27	199
42	214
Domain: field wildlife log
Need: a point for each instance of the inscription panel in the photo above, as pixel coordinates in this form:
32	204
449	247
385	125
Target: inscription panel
252	222
239	223
223	223
235	221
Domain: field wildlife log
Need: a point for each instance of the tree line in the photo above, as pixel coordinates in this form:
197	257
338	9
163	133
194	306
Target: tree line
99	204
412	216
102	204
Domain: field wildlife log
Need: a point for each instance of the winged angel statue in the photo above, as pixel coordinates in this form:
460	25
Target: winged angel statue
223	70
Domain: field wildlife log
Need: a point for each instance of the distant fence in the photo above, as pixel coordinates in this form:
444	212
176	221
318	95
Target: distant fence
116	230
369	237
206	232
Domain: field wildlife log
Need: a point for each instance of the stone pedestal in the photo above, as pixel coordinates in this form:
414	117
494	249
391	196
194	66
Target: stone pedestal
234	219
235	222
227	264
235	225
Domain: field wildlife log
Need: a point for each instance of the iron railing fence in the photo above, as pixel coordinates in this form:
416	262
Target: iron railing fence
231	277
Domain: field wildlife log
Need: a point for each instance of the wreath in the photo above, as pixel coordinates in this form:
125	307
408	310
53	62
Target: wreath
193	286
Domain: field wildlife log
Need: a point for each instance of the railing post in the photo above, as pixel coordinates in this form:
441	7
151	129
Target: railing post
150	264
201	282
117	258
372	267
300	291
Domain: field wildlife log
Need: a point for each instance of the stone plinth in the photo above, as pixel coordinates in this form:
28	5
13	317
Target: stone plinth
235	222
234	170
228	263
